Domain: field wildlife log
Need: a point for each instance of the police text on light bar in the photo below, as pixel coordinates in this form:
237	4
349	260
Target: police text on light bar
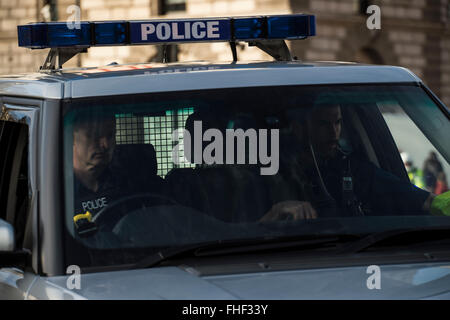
192	30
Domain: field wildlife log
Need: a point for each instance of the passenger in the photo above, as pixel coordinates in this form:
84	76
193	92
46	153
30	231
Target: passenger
336	183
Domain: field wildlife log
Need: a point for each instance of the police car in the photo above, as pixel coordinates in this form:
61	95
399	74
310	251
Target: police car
245	180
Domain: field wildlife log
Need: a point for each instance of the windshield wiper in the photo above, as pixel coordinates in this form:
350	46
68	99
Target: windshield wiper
225	247
398	237
338	244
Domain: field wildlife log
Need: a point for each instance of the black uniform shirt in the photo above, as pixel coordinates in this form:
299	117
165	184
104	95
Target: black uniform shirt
378	191
112	186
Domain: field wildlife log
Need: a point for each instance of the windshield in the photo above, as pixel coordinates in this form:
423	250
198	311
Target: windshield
162	170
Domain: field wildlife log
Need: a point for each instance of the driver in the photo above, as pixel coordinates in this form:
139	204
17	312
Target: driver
336	183
96	182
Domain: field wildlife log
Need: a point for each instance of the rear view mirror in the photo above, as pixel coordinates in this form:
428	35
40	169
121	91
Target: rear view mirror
7	243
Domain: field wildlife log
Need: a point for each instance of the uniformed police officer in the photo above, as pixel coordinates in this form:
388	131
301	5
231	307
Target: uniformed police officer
101	176
335	183
93	148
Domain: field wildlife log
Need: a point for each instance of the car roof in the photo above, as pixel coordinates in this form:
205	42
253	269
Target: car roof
117	79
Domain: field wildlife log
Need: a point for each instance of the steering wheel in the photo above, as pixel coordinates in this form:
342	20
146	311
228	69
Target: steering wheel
109	216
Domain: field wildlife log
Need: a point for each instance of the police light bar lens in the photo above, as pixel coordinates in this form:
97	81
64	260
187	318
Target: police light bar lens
87	34
291	27
249	29
110	33
58	34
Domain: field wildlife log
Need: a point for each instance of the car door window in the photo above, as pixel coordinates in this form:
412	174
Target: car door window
426	167
14	191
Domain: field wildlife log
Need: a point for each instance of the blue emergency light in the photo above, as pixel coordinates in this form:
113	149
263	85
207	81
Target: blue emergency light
113	33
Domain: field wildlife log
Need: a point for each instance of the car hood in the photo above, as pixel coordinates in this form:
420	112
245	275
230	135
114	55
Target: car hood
413	281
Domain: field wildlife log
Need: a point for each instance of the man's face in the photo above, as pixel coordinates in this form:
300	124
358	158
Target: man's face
326	130
93	145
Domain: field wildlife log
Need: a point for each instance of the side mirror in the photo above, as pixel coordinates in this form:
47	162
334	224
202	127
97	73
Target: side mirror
7	242
9	256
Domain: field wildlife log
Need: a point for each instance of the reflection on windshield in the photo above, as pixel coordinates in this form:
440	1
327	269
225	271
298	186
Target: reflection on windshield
205	166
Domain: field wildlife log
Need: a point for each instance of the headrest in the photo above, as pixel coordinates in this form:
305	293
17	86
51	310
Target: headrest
209	120
138	158
242	121
222	121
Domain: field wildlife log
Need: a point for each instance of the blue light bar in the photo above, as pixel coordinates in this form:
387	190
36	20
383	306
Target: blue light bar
112	33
